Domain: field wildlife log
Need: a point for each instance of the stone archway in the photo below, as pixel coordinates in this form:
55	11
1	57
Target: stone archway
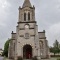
27	52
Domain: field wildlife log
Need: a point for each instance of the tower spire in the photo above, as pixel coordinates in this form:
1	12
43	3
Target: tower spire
27	4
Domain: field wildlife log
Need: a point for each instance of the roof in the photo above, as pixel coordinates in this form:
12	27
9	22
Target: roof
27	4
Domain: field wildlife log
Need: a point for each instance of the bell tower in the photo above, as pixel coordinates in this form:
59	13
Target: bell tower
27	12
27	42
26	31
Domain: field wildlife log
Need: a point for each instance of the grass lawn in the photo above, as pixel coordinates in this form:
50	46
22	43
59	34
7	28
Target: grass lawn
53	58
5	58
56	58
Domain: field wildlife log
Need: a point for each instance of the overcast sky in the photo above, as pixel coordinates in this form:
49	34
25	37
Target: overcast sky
47	17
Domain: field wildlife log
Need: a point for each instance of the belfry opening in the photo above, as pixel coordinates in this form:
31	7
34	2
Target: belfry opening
27	52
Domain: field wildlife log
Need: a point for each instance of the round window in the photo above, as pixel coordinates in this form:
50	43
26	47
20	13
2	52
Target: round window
26	26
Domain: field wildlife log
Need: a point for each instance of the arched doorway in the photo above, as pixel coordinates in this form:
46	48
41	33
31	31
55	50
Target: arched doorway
27	52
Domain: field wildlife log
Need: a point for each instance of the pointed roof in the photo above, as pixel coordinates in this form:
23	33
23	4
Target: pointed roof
27	4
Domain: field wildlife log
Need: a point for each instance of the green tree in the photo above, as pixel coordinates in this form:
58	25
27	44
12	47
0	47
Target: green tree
55	49
56	44
51	49
6	46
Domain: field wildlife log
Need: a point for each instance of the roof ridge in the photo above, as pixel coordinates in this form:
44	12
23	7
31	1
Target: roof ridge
27	3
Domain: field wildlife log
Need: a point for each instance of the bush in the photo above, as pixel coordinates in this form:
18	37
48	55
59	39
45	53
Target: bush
11	57
55	55
58	59
20	58
34	58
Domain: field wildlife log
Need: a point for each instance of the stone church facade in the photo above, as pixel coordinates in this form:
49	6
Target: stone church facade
27	42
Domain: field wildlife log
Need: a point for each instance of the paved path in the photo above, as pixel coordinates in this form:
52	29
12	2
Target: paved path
1	58
50	59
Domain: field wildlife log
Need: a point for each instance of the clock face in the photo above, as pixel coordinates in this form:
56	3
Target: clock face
26	26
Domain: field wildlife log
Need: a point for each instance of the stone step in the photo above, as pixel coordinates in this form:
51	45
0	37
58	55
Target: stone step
27	59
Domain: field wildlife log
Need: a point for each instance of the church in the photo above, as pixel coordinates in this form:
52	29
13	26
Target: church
27	42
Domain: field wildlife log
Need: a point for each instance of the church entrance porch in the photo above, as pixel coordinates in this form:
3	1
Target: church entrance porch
27	52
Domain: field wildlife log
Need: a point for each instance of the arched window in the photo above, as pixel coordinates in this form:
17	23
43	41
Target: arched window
14	46
41	44
27	35
24	16
28	16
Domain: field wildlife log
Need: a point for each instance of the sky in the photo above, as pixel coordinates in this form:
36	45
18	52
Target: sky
47	14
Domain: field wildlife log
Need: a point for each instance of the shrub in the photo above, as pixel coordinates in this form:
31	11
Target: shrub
11	57
34	58
20	58
58	59
55	55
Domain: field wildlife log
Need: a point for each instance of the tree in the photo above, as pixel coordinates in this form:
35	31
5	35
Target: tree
56	44
6	46
51	49
55	49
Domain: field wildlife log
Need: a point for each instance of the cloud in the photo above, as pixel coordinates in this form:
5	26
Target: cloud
6	4
2	24
47	16
53	33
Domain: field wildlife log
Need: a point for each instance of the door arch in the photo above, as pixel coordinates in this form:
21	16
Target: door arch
27	52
